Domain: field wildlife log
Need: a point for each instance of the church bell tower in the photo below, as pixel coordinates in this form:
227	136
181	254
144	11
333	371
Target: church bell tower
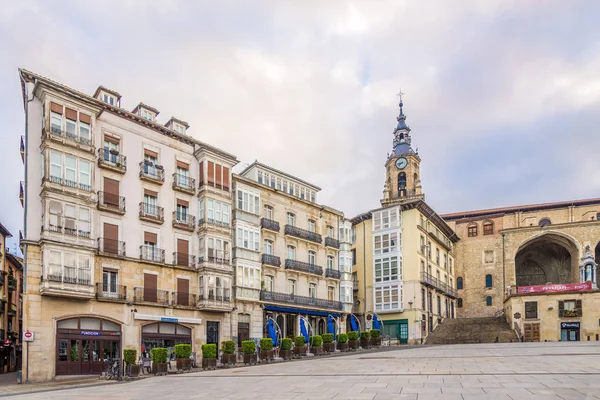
403	180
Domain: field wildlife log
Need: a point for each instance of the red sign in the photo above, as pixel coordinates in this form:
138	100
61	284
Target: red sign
28	334
562	287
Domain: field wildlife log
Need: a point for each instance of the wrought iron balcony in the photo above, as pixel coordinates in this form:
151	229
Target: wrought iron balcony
183	299
12	283
331	242
152	213
184	221
184	260
270	259
112	160
111	202
303	267
431	281
111	247
269	224
57	134
150	295
152	172
285	298
303	234
117	293
333	273
12	310
152	253
184	183
1	279
67	183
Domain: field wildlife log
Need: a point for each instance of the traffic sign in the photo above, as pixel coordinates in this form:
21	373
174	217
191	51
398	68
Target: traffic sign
28	336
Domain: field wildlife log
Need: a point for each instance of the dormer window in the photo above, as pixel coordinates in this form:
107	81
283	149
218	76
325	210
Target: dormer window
108	99
108	96
147	115
146	112
179	129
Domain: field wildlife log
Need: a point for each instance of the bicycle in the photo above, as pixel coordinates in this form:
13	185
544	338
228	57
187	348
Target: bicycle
112	369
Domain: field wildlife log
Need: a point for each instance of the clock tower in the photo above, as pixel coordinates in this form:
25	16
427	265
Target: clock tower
403	181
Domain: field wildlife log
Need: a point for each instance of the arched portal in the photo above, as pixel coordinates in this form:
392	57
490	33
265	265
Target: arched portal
549	258
597	256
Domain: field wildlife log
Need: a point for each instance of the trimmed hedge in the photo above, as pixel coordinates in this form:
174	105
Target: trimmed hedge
365	335
130	356
209	351
228	347
353	335
342	338
316	340
266	344
159	355
327	337
286	344
183	350
249	347
299	341
375	333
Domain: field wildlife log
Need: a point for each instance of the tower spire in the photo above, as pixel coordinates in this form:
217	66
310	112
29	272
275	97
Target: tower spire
402	131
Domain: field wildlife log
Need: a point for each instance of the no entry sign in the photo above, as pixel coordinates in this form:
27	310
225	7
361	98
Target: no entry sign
28	336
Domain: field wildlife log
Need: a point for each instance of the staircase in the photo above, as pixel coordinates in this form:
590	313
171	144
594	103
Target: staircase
472	330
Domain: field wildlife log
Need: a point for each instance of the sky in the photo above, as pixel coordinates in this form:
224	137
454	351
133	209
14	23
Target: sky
503	97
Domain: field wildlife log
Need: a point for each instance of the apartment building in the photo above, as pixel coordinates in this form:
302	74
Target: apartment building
127	231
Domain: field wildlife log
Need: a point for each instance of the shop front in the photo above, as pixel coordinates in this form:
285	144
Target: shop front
288	320
569	331
83	343
165	332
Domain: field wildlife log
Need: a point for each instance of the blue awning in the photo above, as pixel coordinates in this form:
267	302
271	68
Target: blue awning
299	311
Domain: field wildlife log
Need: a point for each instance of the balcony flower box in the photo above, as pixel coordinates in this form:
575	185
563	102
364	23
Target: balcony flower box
209	356
228	358
183	360
249	349
114	152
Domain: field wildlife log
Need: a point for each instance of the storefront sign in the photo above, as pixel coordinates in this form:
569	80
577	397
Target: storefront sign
517	315
164	318
89	333
563	287
167	319
570	325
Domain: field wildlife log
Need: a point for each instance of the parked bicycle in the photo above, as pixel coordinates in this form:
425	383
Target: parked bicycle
112	369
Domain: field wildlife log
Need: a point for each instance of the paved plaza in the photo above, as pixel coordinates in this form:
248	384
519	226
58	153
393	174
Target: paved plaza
479	371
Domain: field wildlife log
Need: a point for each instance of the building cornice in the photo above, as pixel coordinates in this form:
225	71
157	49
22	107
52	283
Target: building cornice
289	176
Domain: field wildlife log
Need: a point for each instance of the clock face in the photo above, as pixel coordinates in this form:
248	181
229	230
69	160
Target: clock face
401	163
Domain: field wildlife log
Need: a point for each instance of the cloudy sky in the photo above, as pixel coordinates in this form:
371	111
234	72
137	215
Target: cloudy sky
503	97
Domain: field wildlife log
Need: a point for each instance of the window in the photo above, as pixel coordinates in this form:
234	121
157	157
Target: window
353	235
292	189
459	303
67	267
330	262
353	256
291	253
570	308
268	283
217	176
312	225
531	310
387	298
248	277
312	257
428	249
488	281
278	183
285	186
422	266
76	125
108	99
437	256
422	244
439	305
260	177
312	290
291	219
346	294
291	286
459	283
445	261
302	193
385	243
423	306
183	177
544	222
268	247
179	128
386	219
313	197
387	269
182	211
150	163
488	301
150	203
402	184
248	201
331	293
268	212
147	115
109	283
217	212
330	232
488	228
472	230
218	250
111	147
248	238
70	171
69	218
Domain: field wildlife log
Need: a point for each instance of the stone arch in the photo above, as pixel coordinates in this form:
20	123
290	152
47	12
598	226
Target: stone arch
597	253
96	316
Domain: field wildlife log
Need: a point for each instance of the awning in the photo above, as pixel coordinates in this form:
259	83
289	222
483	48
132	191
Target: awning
300	311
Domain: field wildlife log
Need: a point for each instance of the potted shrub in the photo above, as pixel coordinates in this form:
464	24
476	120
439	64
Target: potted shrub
364	339
375	337
353	340
328	344
130	358
299	346
342	342
249	349
183	353
316	343
228	357
286	349
266	349
209	356
159	360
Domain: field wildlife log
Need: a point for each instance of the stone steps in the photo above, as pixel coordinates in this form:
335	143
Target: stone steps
472	330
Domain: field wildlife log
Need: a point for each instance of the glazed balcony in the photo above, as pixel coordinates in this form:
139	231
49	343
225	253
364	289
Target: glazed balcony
184	221
152	213
184	260
111	203
65	281
182	299
69	185
152	172
303	234
58	135
205	223
150	296
217	257
183	183
111	247
269	259
152	254
301	266
269	224
215	299
292	299
112	160
112	293
247	293
331	242
332	273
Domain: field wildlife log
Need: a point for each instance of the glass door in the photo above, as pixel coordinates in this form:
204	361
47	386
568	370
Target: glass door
212	333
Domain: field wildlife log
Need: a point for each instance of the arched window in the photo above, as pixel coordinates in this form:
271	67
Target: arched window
488	281
459	283
488	301
459	303
415	179
488	228
402	183
472	230
544	222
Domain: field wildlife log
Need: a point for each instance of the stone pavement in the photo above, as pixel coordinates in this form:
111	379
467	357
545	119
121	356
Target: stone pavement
478	371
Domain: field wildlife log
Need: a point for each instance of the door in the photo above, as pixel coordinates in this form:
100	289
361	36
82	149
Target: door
531	332
111	193
182	252
183	292
403	326
91	361
243	332
212	333
150	288
111	238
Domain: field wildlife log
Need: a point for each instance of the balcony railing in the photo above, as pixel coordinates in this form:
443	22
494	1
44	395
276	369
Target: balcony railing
303	267
184	221
184	183
12	283
154	296
211	221
183	299
184	260
333	273
331	242
111	202
436	283
152	172
57	131
112	160
111	247
285	298
152	253
111	292
12	310
269	224
247	293
65	182
218	298
152	213
215	257
69	275
269	259
303	234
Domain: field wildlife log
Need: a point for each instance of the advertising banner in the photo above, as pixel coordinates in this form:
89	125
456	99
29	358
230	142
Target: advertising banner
562	287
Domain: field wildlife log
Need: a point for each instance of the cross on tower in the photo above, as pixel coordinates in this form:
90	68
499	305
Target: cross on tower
399	94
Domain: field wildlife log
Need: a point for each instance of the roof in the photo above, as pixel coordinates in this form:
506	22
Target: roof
257	164
147	107
179	121
402	149
5	232
107	90
513	209
16	260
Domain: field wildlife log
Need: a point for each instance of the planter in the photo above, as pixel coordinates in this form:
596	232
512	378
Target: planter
184	364
376	342
159	368
250	359
317	351
286	354
133	370
329	347
209	363
266	355
353	344
365	343
228	360
342	346
300	351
